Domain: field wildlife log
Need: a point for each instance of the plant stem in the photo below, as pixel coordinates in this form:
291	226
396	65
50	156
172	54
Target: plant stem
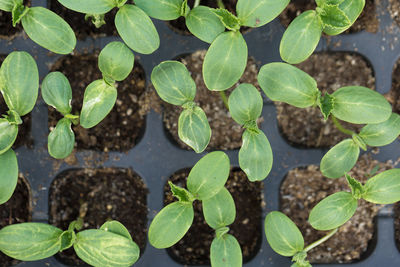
224	99
196	3
340	127
220	4
320	241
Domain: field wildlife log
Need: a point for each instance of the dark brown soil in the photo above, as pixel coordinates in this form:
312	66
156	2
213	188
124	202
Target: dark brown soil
303	188
97	196
17	210
394	95
123	126
307	127
7	30
194	247
394	9
226	133
367	21
397	223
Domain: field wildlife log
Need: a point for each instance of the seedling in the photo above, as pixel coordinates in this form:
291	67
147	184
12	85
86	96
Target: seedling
115	62
19	85
331	17
132	23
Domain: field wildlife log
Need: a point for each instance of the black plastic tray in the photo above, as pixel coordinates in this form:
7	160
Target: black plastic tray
156	149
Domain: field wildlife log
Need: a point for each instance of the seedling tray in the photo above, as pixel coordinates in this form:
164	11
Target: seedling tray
156	157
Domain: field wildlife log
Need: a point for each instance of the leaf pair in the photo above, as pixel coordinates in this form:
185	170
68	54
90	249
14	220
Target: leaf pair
255	155
132	23
303	34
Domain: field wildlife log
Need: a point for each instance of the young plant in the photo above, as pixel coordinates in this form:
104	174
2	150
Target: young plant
331	17
354	104
174	85
115	62
132	23
19	85
111	245
255	155
286	239
43	26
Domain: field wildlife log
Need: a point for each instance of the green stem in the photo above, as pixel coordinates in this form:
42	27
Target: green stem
220	4
224	99
340	127
196	3
320	241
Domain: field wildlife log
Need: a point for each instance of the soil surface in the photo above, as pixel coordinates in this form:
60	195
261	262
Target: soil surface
124	125
367	21
7	30
397	223
307	127
394	95
394	9
194	247
15	210
303	188
97	196
226	133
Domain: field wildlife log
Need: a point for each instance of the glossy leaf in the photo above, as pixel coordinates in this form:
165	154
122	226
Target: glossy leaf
361	105
225	252
340	159
282	234
173	83
301	37
8	135
326	105
333	211
56	92
49	30
6	5
334	19
67	239
102	248
204	24
245	103
116	61
136	29
225	61
383	188
98	101
286	83
8	176
116	227
161	9
256	13
209	175
220	210
171	224
89	6
61	140
30	241
20	82
383	133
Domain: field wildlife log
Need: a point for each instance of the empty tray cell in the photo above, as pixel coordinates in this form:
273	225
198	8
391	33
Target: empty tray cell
7	31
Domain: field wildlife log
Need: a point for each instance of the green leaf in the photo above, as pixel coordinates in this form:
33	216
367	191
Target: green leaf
89	6
282	234
171	224
30	241
357	189
102	248
321	3
333	211
20	82
49	30
381	134
245	103
8	176
56	92
226	252
209	175
230	21
136	29
8	135
61	140
383	188
301	37
334	20
180	193
18	11
359	141
361	105
173	83
225	61
256	13
116	227
286	83
98	101
326	105
340	159
161	9
67	239
6	5
352	8
204	24
220	210
255	155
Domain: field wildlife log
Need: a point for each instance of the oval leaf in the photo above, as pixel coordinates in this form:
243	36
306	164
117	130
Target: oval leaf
49	30
383	188
333	211
171	224
8	176
301	38
61	140
282	234
98	101
225	61
340	159
381	134
161	9
30	241
8	135
89	6
361	105
20	87
256	13
136	29
245	104
7	5
116	227
220	210
226	252
56	92
204	24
